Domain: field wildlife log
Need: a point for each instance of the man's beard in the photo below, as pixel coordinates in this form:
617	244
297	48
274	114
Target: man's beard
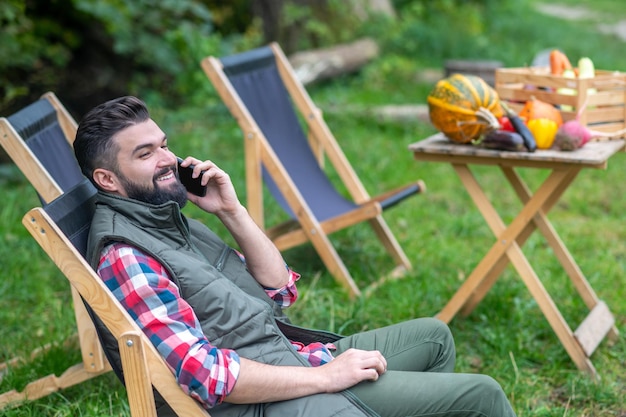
156	195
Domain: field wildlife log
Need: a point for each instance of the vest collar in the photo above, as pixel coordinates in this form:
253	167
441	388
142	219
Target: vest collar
162	216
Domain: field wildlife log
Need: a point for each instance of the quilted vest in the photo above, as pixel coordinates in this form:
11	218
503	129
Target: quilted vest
232	308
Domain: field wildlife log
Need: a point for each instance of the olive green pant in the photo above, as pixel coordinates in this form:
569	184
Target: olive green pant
420	378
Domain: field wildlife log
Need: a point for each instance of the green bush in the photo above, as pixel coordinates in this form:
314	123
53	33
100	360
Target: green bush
30	50
164	40
83	46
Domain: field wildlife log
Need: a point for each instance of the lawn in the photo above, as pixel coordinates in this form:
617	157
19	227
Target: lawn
441	231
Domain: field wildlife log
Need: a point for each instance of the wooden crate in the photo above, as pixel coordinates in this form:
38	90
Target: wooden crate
605	110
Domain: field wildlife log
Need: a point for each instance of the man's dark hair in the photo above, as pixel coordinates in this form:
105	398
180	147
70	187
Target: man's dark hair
93	146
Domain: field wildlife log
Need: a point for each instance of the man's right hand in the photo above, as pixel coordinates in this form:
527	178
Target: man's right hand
259	383
353	366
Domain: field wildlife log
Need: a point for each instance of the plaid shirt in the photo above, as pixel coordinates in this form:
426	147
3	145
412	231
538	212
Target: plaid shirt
144	289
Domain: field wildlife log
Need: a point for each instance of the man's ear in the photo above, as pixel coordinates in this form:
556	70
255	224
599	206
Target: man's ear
106	180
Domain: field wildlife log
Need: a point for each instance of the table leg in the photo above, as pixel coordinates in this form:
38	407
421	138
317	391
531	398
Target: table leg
497	225
505	240
550	310
560	250
531	217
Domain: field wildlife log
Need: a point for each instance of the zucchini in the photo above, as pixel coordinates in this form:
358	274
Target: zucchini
521	128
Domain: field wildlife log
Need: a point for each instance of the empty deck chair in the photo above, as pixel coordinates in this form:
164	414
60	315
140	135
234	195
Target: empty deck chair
261	91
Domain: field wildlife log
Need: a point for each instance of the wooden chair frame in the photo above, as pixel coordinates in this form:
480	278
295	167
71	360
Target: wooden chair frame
94	362
144	368
258	153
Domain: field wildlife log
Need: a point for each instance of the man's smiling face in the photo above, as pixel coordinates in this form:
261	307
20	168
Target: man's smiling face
146	168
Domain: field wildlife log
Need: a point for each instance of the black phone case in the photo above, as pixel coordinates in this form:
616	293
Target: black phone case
192	185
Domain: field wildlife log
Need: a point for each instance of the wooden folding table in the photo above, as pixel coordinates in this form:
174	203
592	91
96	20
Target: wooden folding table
563	168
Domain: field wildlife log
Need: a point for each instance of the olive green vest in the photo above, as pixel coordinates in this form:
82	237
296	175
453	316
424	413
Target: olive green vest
233	309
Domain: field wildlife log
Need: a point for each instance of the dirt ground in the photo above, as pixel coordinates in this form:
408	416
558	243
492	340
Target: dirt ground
579	13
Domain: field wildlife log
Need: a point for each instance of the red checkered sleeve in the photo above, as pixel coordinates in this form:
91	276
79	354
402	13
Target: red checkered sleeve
283	296
144	289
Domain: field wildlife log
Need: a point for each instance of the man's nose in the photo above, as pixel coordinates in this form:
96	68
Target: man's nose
167	157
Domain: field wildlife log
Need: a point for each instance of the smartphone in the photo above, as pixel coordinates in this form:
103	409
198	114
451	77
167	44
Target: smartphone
192	185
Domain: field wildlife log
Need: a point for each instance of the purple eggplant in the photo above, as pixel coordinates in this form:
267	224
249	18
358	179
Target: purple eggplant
503	140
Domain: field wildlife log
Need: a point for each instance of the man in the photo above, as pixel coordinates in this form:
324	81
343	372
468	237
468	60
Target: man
215	314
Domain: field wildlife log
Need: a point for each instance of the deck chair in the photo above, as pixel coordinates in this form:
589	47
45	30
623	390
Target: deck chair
261	91
61	229
38	139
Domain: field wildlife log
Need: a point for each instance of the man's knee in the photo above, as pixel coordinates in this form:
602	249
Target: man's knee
442	329
443	333
438	329
444	357
490	396
490	386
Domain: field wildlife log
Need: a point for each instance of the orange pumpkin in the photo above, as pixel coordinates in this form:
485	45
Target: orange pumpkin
464	107
537	109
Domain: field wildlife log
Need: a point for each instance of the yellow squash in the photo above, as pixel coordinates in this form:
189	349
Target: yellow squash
544	130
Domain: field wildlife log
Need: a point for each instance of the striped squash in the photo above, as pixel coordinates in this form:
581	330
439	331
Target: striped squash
464	107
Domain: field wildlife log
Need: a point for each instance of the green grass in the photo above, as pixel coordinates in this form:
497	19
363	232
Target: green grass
441	231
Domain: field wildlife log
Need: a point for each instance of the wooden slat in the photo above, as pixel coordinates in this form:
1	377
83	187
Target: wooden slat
594	328
27	162
136	375
90	348
48	384
67	122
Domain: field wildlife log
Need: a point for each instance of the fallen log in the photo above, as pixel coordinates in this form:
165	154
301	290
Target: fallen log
394	113
322	64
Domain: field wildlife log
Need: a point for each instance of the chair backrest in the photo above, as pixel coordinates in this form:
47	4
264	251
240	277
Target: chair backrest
37	140
256	78
73	212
